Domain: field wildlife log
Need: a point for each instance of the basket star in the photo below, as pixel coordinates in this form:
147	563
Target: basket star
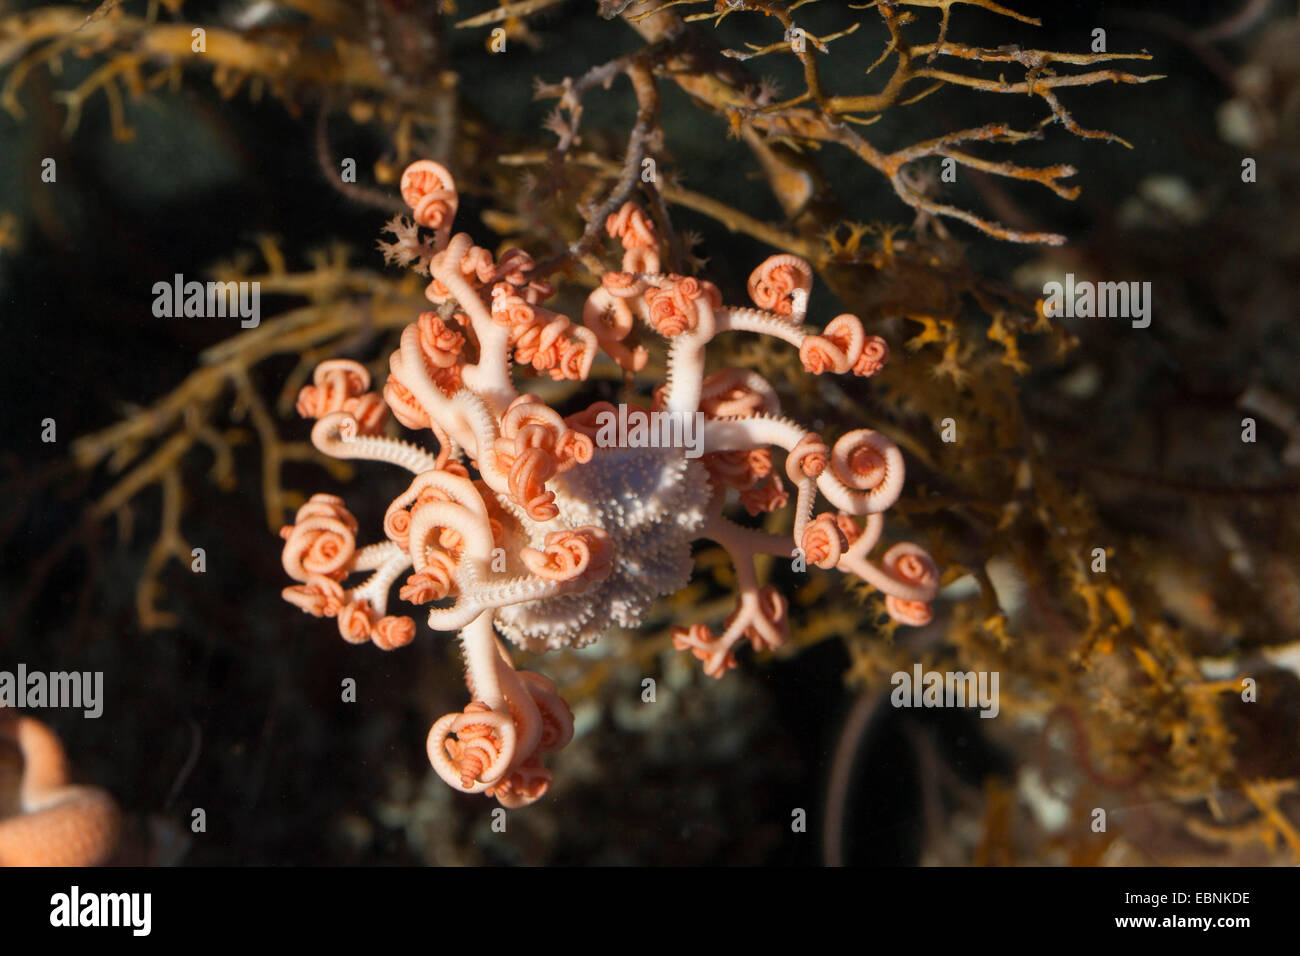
48	821
522	526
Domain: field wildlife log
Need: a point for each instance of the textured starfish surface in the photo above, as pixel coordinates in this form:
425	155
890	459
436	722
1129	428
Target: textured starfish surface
45	821
547	529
